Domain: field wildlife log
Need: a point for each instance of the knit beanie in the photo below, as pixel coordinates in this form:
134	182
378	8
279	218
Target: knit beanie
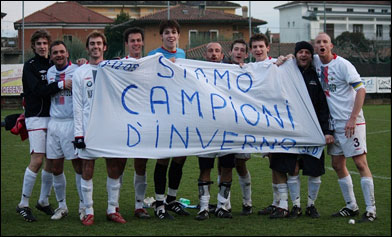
303	45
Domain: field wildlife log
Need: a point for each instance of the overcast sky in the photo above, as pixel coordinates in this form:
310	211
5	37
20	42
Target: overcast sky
263	10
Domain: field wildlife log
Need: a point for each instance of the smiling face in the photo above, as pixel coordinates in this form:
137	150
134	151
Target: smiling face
59	55
259	50
323	47
135	45
41	47
304	58
214	52
96	48
238	54
170	37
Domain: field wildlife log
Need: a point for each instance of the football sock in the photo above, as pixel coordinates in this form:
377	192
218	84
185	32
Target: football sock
223	194
28	185
160	178
46	187
78	178
204	195
228	203
283	194
171	195
313	189
275	194
113	188
368	194
60	184
160	198
294	185
245	183
175	174
346	185
87	191
140	184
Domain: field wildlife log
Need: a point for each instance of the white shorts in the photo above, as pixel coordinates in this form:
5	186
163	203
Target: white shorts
36	127
37	139
242	156
59	139
349	147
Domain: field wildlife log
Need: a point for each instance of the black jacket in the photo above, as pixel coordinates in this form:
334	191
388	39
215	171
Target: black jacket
318	98
36	90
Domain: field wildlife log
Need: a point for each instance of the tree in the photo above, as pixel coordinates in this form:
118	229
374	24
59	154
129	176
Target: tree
114	36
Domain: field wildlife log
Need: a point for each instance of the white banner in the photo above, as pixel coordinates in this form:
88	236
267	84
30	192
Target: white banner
370	84
153	108
11	79
383	85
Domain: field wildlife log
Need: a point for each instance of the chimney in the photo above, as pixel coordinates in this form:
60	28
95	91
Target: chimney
244	11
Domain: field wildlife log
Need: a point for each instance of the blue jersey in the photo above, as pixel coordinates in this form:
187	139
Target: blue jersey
179	53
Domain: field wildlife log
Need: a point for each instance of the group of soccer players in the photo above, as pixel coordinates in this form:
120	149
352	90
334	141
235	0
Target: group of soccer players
57	99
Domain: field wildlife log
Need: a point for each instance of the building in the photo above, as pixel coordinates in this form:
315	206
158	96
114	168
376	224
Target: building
303	20
137	9
64	21
198	25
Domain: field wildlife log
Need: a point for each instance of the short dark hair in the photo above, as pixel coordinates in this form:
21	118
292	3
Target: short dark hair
55	43
258	37
133	30
96	34
168	24
239	41
41	33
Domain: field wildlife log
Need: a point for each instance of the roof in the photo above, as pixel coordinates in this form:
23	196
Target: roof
189	14
225	4
336	2
276	50
66	12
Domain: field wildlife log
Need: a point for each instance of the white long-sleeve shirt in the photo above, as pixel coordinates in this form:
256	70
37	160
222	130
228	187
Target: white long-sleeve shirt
83	89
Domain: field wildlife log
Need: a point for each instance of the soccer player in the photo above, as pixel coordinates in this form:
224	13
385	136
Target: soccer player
36	93
206	163
170	34
61	129
238	54
134	40
345	94
83	89
288	163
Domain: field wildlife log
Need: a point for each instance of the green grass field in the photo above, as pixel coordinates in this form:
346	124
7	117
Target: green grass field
15	158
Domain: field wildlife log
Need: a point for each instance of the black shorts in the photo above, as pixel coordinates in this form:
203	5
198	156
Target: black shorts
206	163
285	163
227	161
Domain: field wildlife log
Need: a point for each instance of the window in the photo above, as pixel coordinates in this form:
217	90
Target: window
350	10
237	35
328	9
315	9
67	38
379	31
357	28
214	35
288	24
192	36
384	10
371	10
293	24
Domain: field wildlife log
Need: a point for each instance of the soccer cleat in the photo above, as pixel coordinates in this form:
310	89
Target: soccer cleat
211	208
48	210
279	213
222	213
346	212
176	207
295	212
246	210
203	215
82	213
25	212
88	220
367	217
312	212
267	210
163	215
142	213
116	217
59	213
